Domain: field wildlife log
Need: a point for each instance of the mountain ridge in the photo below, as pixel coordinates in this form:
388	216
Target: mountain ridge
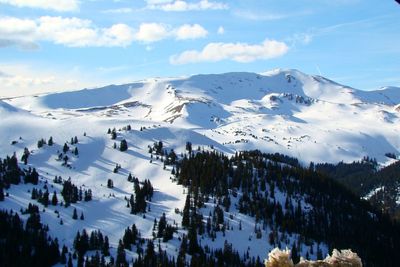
281	110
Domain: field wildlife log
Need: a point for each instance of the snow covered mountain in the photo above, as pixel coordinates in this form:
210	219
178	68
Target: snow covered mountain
308	117
286	111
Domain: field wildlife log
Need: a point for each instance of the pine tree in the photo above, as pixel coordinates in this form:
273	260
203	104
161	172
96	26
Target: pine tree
295	253
25	156
66	158
123	145
189	147
1	192
105	248
82	217
150	255
50	142
65	148
40	143
192	236
75	215
70	261
161	225
110	183
54	199
127	238
88	195
45	198
121	257
132	204
181	259
186	212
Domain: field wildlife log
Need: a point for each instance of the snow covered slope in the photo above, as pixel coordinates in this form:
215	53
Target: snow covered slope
286	111
309	117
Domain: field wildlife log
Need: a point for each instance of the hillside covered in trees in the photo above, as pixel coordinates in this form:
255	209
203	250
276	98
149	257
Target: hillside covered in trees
380	186
292	206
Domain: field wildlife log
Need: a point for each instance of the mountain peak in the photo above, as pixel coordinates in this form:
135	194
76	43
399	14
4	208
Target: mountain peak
281	110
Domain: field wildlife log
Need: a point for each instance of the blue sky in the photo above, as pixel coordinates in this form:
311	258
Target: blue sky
52	45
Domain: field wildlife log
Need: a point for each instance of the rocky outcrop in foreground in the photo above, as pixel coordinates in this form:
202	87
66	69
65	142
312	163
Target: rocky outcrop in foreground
343	258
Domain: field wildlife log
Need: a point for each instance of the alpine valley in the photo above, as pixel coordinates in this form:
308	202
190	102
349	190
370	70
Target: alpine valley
207	170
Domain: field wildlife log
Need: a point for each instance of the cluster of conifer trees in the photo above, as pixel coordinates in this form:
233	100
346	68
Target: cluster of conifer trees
363	177
96	241
71	193
137	203
337	216
10	173
26	245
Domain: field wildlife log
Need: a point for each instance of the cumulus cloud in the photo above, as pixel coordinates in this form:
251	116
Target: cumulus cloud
72	32
76	32
188	31
221	30
57	5
153	32
181	5
239	52
118	35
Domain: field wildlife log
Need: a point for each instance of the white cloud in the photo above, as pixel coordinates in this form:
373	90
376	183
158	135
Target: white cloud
20	79
158	2
118	35
27	79
267	16
239	52
76	32
221	30
57	5
73	32
153	32
181	5
123	10
250	15
188	31
302	38
4	75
